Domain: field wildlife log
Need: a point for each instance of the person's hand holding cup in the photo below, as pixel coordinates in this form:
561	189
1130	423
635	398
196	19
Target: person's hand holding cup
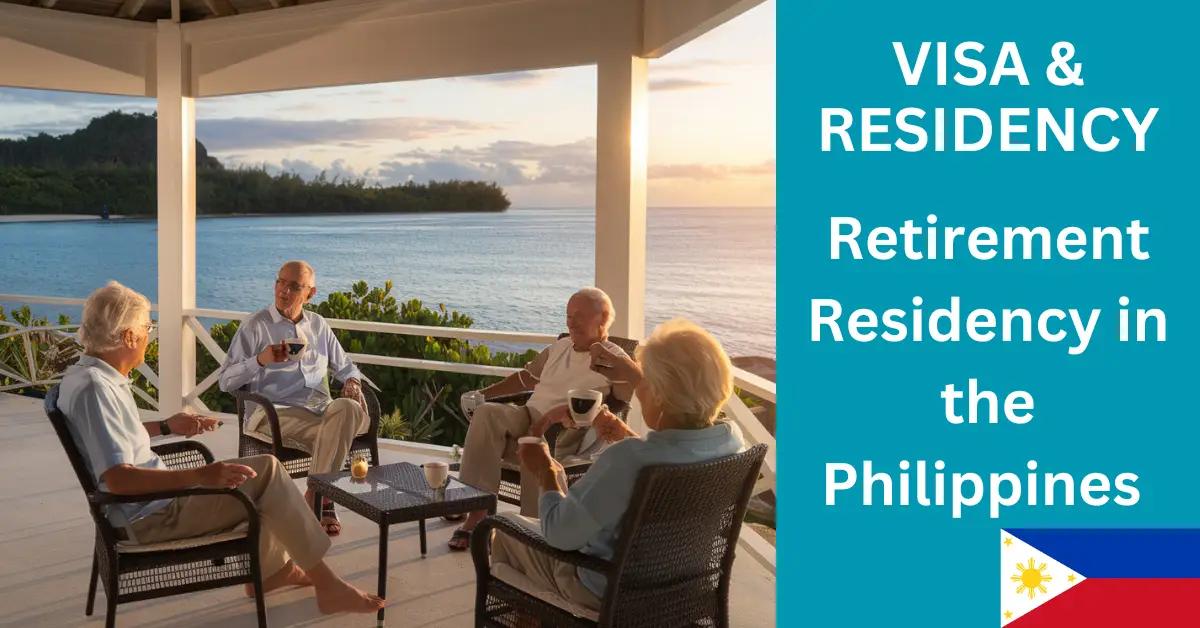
470	401
273	354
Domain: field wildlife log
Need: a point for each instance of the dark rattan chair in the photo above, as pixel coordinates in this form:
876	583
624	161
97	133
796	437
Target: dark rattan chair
298	461
510	472
132	572
672	561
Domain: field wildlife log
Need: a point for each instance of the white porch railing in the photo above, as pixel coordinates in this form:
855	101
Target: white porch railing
752	429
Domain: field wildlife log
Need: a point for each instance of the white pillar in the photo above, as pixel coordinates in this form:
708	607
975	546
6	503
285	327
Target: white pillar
176	219
621	138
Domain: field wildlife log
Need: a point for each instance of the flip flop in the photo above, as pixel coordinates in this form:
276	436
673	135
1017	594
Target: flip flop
460	541
329	519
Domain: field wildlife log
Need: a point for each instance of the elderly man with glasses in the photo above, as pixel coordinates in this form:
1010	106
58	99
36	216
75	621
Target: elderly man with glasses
309	419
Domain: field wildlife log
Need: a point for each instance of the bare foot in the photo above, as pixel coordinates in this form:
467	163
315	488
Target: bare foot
290	575
343	598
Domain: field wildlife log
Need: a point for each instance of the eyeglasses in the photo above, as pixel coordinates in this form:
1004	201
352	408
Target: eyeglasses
290	286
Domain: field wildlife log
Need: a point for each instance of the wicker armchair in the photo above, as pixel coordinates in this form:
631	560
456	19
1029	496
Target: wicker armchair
510	471
132	572
672	561
298	461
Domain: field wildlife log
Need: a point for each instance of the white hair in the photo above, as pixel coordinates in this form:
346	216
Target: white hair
600	300
687	372
107	313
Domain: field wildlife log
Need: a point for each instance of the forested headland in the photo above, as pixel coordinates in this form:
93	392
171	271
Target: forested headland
110	164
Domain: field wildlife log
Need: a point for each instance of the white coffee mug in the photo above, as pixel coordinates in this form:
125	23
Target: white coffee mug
584	404
437	474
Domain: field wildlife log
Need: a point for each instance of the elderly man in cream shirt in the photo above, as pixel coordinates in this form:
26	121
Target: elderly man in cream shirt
564	365
309	419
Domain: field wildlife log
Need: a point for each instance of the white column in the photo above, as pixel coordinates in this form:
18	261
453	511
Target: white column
176	219
621	138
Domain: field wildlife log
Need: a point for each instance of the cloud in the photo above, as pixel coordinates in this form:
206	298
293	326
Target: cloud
711	172
510	79
669	84
338	169
507	162
25	112
260	133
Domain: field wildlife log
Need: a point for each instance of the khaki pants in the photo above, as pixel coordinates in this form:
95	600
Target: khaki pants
546	573
288	526
492	440
326	436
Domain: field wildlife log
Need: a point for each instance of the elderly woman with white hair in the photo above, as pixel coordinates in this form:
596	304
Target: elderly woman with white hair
683	377
103	419
561	367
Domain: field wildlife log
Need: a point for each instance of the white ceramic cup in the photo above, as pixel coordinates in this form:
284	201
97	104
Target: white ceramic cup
295	347
437	474
584	404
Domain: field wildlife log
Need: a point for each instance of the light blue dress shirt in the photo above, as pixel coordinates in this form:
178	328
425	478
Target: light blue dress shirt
302	383
104	422
587	517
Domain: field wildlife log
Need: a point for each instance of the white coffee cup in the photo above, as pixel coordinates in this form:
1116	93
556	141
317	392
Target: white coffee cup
437	474
584	404
295	348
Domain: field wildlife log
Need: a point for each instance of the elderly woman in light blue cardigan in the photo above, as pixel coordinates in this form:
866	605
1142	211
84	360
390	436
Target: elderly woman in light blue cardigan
683	377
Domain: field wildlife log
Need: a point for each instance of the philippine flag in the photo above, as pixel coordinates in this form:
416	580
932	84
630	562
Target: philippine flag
1092	578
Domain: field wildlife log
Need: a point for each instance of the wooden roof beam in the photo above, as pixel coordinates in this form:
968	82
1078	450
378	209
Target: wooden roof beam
130	8
668	24
220	8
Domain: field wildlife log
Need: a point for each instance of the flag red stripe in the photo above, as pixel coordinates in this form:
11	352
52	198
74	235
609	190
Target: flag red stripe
1120	603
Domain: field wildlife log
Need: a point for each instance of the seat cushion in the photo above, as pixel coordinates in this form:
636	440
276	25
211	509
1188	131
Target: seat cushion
129	547
510	576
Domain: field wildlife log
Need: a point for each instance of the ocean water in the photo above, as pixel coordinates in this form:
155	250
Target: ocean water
509	271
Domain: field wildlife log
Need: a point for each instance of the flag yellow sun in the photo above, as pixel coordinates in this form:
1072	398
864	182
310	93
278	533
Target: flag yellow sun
1031	578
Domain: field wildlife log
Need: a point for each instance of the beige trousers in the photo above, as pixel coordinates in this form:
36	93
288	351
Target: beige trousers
492	441
546	573
326	436
287	523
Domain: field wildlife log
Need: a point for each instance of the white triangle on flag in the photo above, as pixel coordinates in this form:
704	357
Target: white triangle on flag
1029	578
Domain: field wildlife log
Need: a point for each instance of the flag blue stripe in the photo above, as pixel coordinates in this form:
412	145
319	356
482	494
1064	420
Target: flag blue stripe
1120	553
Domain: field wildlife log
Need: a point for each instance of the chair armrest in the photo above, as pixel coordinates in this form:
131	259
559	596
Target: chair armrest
244	396
515	398
102	498
167	450
481	540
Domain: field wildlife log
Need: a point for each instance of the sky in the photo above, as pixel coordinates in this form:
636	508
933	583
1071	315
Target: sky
712	126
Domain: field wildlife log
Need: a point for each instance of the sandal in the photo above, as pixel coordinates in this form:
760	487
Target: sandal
329	519
460	541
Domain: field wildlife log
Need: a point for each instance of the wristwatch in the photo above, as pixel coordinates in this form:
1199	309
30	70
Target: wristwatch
164	429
